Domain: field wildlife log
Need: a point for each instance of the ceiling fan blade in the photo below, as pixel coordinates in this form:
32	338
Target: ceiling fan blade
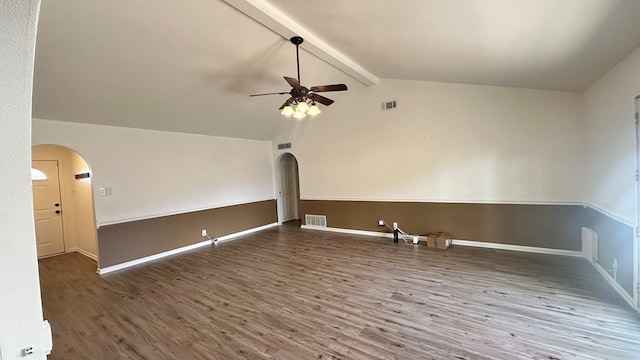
293	82
273	93
324	88
321	99
288	102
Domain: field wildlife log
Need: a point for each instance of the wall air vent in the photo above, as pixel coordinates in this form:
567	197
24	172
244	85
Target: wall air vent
389	105
284	146
315	220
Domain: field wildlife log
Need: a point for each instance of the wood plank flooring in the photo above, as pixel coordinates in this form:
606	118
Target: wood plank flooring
287	293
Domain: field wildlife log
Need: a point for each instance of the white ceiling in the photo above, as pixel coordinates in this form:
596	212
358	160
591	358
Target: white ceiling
190	65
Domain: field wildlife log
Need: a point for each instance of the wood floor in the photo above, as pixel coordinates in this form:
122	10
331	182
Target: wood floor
287	293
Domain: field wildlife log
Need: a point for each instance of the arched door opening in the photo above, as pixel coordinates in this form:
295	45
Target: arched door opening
63	202
288	188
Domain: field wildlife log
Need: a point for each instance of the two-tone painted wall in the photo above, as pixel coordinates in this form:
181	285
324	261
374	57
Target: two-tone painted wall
611	164
219	184
491	164
486	163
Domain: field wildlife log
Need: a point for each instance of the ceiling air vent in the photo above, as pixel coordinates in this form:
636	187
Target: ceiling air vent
389	105
284	146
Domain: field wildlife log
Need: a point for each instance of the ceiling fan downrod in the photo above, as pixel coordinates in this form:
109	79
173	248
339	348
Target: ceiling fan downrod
297	40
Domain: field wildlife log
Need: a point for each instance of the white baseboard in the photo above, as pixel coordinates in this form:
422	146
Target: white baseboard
614	284
145	259
530	249
481	244
83	252
229	237
180	250
348	231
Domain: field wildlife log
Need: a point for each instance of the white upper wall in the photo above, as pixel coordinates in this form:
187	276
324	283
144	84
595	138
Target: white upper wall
610	139
444	142
154	173
20	304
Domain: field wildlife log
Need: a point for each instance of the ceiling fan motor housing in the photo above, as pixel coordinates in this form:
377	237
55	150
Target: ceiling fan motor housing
299	92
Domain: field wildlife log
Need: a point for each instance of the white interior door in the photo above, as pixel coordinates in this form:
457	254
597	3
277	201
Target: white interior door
288	179
47	209
636	238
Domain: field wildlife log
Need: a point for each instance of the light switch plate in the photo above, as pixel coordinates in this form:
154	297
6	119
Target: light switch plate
108	191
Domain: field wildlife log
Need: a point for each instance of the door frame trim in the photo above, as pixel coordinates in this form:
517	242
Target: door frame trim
279	204
636	232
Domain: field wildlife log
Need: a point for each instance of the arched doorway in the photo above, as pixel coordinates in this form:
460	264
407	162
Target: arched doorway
63	202
288	188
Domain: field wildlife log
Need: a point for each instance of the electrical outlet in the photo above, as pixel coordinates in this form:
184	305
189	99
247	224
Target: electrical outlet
27	351
395	226
107	191
204	232
102	192
380	222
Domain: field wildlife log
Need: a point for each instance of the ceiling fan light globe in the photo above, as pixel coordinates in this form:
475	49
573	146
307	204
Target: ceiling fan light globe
299	115
314	110
287	111
302	107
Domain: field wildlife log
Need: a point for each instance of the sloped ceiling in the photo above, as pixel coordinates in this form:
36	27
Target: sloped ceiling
190	65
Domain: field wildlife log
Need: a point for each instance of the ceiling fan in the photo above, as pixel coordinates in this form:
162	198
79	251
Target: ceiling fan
304	99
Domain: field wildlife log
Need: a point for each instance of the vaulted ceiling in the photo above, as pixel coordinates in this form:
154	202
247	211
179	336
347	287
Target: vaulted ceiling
190	65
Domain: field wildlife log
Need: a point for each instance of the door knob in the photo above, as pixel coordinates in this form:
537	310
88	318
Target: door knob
58	211
56	204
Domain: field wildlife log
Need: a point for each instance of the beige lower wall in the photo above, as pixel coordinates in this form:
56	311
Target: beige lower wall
547	226
124	242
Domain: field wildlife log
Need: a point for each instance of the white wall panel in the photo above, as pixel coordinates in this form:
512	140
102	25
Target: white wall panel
444	142
155	173
610	128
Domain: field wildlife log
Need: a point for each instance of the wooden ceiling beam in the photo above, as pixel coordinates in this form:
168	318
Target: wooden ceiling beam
280	23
